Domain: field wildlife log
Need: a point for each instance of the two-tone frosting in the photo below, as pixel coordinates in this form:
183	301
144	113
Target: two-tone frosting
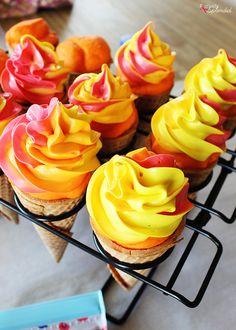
9	109
144	59
188	126
49	152
106	101
33	73
214	80
138	198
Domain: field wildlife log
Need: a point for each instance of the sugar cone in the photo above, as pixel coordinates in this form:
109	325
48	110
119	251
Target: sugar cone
198	176
114	145
7	194
55	245
136	256
150	103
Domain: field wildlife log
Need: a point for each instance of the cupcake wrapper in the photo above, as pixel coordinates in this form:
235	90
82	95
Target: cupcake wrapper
136	256
230	123
7	194
55	245
150	103
113	145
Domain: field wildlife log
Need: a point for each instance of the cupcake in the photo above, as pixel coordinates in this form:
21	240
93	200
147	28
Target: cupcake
9	110
191	131
109	104
83	54
145	62
137	205
48	155
33	73
214	80
37	27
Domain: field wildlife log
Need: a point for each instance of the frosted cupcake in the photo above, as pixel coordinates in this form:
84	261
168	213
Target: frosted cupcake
109	104
9	110
214	80
146	63
48	154
137	204
191	131
33	73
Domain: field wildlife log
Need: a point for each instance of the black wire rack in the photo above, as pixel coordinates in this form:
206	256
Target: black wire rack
206	211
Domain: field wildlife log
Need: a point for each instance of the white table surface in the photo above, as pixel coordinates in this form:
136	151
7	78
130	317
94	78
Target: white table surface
28	274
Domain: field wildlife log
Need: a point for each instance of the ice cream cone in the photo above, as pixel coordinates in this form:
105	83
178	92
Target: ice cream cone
198	176
55	245
7	193
114	145
150	103
136	256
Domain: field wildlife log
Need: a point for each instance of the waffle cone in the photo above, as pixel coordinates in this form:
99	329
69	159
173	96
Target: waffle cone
150	103
198	176
7	194
136	256
55	245
119	143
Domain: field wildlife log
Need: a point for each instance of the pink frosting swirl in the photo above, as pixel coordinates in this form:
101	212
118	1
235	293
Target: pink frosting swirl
34	74
9	109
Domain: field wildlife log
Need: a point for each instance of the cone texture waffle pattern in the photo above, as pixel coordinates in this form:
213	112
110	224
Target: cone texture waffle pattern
55	245
119	143
136	256
7	194
150	103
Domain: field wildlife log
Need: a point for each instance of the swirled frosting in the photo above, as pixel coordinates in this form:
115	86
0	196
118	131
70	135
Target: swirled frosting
137	197
214	80
189	126
104	99
49	152
9	109
33	73
144	59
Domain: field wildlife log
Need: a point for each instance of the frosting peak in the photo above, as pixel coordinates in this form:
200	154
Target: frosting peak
104	99
214	80
50	152
144	58
33	73
186	125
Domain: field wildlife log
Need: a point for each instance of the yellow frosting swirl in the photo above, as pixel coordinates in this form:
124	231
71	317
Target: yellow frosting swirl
104	98
126	201
144	58
212	74
183	124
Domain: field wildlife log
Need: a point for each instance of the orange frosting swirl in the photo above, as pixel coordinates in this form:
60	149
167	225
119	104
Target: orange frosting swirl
50	151
33	73
145	59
